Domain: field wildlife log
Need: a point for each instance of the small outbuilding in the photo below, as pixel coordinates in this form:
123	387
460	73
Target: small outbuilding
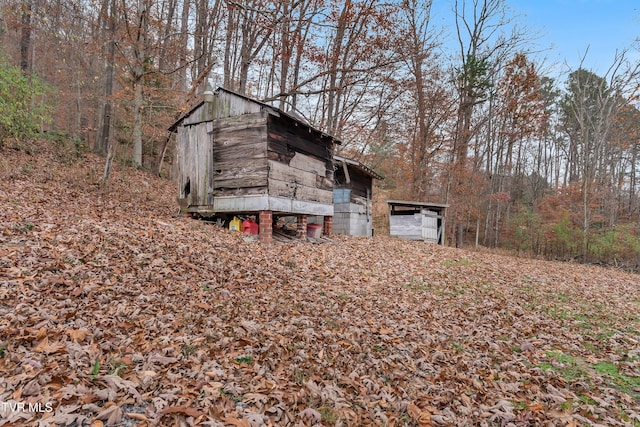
236	155
352	193
417	220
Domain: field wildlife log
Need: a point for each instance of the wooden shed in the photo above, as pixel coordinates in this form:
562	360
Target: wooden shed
417	220
352	205
236	155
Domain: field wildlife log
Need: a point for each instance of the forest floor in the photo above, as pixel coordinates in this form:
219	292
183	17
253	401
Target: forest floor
113	311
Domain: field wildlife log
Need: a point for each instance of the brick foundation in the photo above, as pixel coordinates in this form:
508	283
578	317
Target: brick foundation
301	227
266	226
327	226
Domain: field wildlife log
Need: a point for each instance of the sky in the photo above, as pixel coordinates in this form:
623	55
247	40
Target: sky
566	28
569	27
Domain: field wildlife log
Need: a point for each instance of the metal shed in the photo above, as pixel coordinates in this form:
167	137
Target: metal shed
417	220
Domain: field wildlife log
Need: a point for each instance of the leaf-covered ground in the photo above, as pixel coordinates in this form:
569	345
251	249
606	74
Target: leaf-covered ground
115	312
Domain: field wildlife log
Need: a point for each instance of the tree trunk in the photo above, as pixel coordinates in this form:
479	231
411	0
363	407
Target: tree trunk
184	40
229	50
142	55
101	144
137	124
201	39
633	180
78	122
459	234
166	56
108	145
303	32
336	52
25	37
108	162
106	111
3	27
285	56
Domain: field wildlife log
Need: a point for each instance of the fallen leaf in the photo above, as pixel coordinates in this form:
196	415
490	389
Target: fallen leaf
78	335
111	414
422	417
413	411
203	306
183	409
42	333
311	414
136	416
45	347
236	422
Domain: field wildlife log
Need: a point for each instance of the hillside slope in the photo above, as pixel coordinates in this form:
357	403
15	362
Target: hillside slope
115	312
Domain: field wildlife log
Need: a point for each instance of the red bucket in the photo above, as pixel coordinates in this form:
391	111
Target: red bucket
249	227
314	230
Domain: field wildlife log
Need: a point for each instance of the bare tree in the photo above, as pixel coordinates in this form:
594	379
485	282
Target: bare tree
591	107
250	26
481	29
518	115
429	92
107	143
291	46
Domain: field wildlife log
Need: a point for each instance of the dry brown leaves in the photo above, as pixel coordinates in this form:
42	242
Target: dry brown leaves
113	312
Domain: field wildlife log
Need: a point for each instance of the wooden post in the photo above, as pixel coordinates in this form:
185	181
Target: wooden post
327	226
266	226
302	227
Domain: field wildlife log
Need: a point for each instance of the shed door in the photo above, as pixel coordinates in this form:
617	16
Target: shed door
429	226
200	164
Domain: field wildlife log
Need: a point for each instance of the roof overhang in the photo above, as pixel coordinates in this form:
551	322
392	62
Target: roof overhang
274	111
358	166
413	204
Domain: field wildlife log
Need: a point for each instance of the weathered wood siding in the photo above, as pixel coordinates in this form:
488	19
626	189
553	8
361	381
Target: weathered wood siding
240	155
237	154
227	104
300	166
194	159
202	113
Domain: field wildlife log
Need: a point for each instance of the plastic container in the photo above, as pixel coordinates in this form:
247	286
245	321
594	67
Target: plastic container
314	230
235	224
249	227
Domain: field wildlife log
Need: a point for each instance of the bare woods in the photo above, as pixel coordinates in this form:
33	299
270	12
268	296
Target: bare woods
536	157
